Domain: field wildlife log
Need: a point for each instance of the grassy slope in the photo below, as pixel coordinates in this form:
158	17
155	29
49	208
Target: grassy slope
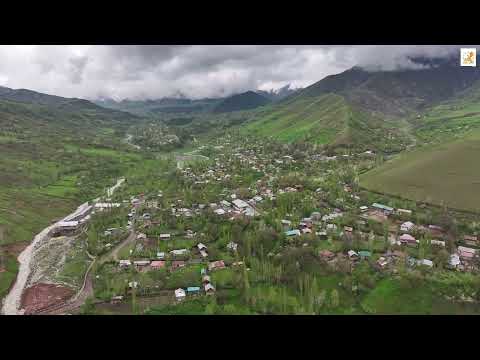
51	161
446	173
325	119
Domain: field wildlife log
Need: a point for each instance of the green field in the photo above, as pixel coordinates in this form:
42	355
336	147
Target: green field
438	174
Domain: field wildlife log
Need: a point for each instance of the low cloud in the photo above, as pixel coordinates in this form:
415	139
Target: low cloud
142	72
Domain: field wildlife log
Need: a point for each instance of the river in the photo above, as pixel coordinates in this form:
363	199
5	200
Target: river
12	302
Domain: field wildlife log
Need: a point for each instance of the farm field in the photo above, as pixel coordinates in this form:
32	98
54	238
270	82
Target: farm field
441	174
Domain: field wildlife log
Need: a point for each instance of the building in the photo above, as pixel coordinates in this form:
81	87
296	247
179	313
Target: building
240	204
326	254
209	289
465	253
177	264
179	252
165	236
124	263
156	264
352	254
364	254
219	212
425	262
66	227
192	290
295	232
206	279
454	261
407	226
232	246
387	210
201	246
180	294
404	212
408	239
215	265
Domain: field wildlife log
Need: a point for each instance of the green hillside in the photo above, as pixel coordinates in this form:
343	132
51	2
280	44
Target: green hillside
54	156
325	119
445	173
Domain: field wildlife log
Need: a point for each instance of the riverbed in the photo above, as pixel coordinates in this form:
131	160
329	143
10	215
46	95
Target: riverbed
12	302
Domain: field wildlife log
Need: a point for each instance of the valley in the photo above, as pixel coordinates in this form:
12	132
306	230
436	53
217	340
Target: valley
355	195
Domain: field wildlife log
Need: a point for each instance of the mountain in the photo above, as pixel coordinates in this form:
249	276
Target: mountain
400	92
171	105
245	101
343	109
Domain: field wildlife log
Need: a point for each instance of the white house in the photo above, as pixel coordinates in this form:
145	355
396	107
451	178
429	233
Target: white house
180	294
407	226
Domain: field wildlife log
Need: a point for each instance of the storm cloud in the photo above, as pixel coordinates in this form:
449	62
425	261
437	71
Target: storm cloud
151	72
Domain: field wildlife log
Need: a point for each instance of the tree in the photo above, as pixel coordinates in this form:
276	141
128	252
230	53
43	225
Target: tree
334	299
441	260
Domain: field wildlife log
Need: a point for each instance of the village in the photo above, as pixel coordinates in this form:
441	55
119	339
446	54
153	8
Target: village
250	218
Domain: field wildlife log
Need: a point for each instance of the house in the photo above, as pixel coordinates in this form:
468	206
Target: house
225	203
425	262
66	227
215	265
348	229
232	246
470	240
322	234
179	252
116	299
364	254
165	236
326	254
133	284
156	265
177	264
286	222
408	239
160	255
141	263
382	262
206	279
407	226
438	243
203	253
249	211
387	210
219	212
125	263
295	232
331	227
465	253
141	236
240	204
180	294
404	212
363	208
201	246
191	290
209	289
454	260
352	254
306	230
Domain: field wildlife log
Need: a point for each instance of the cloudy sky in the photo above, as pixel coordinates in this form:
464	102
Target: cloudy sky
151	72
